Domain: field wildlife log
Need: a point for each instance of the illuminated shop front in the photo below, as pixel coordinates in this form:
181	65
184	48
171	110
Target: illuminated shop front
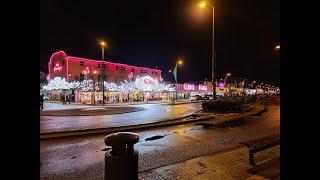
190	89
122	82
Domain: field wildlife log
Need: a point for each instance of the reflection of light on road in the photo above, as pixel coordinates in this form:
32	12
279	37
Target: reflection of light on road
180	130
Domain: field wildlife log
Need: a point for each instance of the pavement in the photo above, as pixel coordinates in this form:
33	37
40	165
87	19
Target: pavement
231	164
82	157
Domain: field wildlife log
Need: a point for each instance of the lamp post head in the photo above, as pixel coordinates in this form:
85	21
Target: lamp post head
103	44
202	4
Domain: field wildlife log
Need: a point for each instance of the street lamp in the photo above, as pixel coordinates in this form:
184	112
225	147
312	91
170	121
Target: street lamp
277	47
225	78
175	73
103	44
94	87
203	4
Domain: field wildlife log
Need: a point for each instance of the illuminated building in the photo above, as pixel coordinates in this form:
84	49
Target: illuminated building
76	68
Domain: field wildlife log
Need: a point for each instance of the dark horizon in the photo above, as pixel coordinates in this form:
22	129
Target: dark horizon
155	35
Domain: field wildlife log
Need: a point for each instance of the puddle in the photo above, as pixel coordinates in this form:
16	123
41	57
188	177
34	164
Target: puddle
205	125
152	138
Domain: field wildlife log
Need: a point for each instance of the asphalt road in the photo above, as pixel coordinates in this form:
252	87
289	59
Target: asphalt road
83	157
151	113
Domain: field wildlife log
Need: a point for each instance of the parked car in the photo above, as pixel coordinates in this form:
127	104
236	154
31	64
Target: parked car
207	97
195	98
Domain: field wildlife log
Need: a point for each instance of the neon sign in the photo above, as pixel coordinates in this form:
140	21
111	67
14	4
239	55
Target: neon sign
221	86
86	71
203	87
188	87
57	67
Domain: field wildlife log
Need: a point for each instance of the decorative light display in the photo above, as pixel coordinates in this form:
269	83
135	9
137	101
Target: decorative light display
111	86
130	75
203	87
188	87
86	71
141	84
144	84
74	84
221	86
57	83
88	85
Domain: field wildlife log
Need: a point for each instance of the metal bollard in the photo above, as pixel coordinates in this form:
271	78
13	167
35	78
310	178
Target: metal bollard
121	162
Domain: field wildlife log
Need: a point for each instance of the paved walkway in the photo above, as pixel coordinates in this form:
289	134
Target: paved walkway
232	164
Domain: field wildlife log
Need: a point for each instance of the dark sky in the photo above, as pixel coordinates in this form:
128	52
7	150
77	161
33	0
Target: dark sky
155	33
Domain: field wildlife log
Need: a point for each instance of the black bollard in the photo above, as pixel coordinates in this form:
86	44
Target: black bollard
121	161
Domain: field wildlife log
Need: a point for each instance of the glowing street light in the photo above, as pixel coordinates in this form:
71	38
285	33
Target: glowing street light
225	78
175	74
103	44
277	47
204	4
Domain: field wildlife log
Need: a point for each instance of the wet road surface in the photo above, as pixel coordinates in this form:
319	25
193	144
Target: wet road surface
151	113
83	157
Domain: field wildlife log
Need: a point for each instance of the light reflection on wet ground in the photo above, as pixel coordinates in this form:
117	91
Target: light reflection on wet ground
81	157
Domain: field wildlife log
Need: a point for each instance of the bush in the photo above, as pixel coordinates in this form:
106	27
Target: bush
235	103
225	104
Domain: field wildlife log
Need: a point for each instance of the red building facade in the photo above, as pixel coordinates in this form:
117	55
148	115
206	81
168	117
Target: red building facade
76	68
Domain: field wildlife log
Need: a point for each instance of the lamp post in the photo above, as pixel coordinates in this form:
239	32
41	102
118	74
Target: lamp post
225	81
176	74
203	5
103	44
94	87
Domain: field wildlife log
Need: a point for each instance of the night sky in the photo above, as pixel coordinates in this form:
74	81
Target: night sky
155	33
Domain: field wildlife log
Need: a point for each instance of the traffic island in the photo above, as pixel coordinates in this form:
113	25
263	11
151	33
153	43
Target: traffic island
90	111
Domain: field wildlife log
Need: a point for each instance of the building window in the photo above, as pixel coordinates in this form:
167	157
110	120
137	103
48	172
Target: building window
99	65
81	77
81	63
105	66
120	68
62	63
